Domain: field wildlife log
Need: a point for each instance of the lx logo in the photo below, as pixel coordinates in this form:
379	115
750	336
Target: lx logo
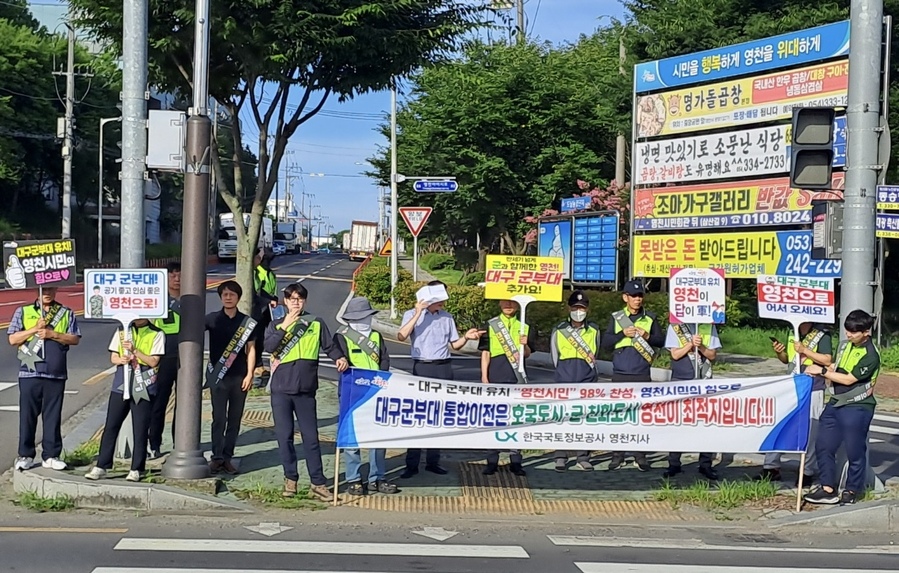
509	437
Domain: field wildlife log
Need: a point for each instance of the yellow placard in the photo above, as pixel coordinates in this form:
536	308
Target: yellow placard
510	275
741	102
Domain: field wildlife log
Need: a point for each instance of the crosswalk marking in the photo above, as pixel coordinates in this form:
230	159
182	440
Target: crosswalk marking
322	548
887	418
885	430
5	385
666	568
9	408
698	544
192	570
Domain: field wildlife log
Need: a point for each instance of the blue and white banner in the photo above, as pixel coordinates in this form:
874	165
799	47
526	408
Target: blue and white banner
740	415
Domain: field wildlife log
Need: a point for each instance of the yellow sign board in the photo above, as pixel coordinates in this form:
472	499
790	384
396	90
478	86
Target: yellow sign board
387	249
510	275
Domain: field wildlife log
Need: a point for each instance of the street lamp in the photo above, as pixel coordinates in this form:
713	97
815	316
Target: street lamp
100	194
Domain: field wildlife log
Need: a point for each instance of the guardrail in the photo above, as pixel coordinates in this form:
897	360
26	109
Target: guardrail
358	270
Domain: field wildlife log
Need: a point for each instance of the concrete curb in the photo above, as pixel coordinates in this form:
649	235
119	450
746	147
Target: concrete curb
110	495
881	516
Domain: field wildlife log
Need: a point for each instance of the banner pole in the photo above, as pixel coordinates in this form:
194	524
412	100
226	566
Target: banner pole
336	473
696	354
40	304
799	487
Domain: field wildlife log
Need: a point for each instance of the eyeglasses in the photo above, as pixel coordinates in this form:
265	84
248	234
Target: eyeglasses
295	299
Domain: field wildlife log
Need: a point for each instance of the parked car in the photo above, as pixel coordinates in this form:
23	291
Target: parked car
324	251
279	248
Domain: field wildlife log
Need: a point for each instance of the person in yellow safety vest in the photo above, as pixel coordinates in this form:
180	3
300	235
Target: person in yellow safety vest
574	345
43	331
265	298
815	346
364	348
632	335
136	355
500	360
294	343
166	378
847	417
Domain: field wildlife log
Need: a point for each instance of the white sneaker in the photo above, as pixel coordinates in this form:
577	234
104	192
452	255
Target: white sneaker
95	473
23	464
54	464
133	475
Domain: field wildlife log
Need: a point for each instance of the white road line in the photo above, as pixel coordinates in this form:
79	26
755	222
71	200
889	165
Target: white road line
885	430
698	544
321	548
192	570
5	385
887	418
9	408
666	568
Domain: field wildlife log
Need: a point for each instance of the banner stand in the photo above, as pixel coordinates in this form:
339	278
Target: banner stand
523	301
799	486
337	471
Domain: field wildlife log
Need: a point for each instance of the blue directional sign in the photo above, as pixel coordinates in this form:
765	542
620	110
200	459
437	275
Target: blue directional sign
436	186
576	204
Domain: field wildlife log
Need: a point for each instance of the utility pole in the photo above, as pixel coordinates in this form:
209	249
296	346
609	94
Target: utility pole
68	143
394	254
187	461
863	123
134	132
620	144
381	210
100	192
522	32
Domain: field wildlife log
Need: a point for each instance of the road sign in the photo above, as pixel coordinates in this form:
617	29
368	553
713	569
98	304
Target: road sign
415	218
447	186
387	249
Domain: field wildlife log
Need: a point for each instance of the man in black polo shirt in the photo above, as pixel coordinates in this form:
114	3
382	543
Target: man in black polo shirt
231	349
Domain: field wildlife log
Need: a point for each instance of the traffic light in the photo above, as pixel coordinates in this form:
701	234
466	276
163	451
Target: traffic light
811	162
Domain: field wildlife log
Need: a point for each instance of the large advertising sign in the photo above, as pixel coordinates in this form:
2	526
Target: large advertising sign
507	276
554	240
753	203
783	51
741	255
392	410
748	153
744	101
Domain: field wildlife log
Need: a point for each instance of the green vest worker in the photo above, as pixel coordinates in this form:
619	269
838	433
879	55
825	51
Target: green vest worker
167	376
265	297
364	348
294	343
43	331
849	411
133	390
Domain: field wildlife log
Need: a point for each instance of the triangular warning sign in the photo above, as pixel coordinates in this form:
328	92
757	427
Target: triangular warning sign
415	218
387	249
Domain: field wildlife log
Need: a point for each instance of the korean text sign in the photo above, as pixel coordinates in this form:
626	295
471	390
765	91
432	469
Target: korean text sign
133	293
539	277
754	203
32	264
796	299
741	255
392	410
696	296
783	51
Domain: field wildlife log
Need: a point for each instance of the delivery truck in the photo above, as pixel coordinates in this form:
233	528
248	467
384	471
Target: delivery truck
363	240
226	247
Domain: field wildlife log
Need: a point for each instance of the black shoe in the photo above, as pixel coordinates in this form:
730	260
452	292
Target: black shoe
848	497
385	487
708	473
770	474
672	471
409	472
517	470
822	497
807	480
489	470
642	463
435	469
154	454
616	461
356	488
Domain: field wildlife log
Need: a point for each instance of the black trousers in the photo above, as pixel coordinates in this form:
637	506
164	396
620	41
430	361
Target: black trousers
228	401
40	397
303	406
629	378
442	370
166	379
116	412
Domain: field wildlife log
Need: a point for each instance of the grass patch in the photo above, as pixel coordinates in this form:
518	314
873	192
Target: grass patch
33	502
449	276
256	392
727	495
750	341
271	496
83	455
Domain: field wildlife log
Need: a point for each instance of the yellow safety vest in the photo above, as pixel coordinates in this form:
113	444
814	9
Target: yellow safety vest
791	352
308	347
644	322
567	350
266	280
362	359
170	324
31	315
514	327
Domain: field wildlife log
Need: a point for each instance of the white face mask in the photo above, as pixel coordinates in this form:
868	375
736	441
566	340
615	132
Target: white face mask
578	315
363	326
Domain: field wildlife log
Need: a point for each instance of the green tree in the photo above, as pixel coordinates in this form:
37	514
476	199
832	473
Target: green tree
281	61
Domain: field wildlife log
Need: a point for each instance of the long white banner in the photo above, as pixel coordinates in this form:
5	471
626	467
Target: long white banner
391	410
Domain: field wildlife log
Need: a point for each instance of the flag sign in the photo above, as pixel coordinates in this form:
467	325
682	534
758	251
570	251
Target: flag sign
415	218
796	299
697	296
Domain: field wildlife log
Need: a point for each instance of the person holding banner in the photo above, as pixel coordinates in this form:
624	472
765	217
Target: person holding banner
136	355
633	335
265	298
573	347
682	342
43	333
814	349
232	348
847	417
500	365
295	342
364	348
167	377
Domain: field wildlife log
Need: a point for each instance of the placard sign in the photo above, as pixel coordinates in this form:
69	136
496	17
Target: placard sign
539	277
33	264
796	299
697	296
125	294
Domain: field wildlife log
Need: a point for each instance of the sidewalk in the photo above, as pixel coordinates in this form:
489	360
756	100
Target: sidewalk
423	275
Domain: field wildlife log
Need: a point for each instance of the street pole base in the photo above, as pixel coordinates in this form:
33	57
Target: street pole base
186	465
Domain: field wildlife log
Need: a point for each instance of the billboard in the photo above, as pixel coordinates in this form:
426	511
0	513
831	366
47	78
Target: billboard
783	51
740	255
595	251
554	240
742	101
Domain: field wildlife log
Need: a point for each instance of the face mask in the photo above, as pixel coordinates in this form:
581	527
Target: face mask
578	315
363	326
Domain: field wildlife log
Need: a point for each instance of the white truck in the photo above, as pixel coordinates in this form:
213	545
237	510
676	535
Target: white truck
226	246
363	240
286	232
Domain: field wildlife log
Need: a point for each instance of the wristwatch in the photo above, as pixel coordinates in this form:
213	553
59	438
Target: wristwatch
823	371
